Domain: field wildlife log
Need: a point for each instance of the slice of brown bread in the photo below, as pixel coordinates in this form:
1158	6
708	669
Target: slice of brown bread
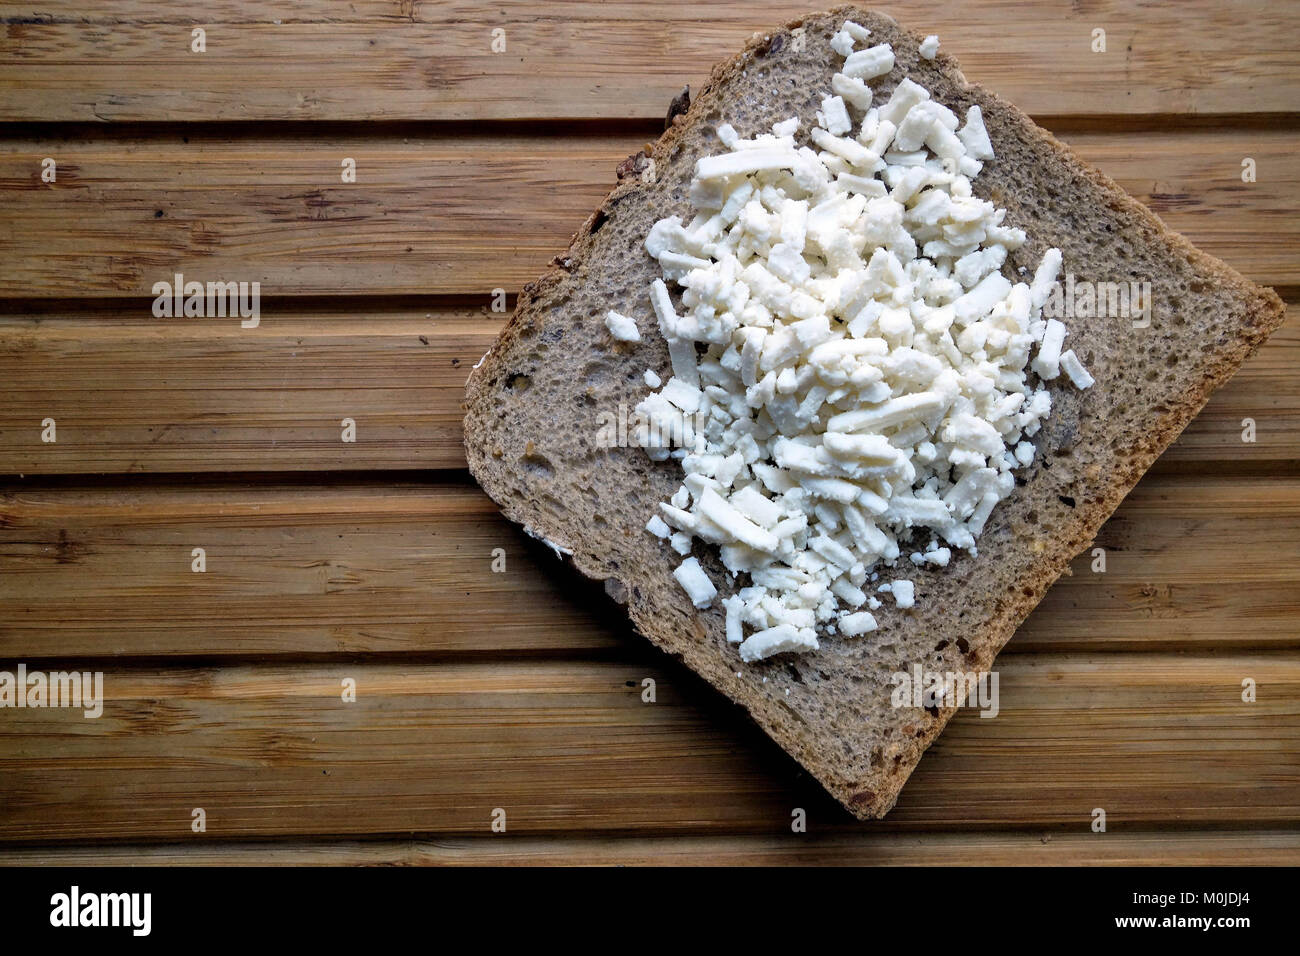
534	409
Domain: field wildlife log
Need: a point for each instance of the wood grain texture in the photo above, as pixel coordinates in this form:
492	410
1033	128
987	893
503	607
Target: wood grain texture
368	60
1054	847
522	689
383	567
1192	564
563	746
467	213
132	394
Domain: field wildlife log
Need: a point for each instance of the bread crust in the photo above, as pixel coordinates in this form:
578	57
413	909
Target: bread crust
863	756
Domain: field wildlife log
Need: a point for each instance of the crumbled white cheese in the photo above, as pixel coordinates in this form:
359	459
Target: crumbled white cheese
786	127
622	327
777	640
834	116
851	367
929	47
857	31
975	137
870	63
852	90
1047	363
842	43
559	549
696	582
857	624
1074	370
652	378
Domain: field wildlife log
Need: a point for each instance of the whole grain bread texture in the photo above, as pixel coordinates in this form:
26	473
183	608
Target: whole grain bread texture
534	406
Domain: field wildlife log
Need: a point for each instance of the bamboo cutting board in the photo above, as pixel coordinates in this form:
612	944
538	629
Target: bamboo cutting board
320	650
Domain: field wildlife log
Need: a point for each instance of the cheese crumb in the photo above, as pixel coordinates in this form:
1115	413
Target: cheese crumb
929	47
695	582
777	640
1074	369
622	327
856	30
857	623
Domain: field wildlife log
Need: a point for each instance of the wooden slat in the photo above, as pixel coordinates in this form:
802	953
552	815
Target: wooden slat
289	570
866	847
522	689
466	214
146	395
382	60
406	568
133	394
1201	183
438	214
274	751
